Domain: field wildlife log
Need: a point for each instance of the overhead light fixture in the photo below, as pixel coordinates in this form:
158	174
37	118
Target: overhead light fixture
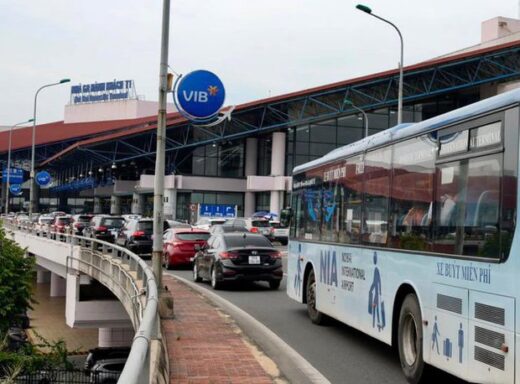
114	166
81	175
90	173
132	162
214	145
100	170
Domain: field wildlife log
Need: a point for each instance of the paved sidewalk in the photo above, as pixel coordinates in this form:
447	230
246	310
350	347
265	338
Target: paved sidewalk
206	346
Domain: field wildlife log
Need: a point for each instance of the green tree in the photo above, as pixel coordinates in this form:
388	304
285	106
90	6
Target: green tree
16	274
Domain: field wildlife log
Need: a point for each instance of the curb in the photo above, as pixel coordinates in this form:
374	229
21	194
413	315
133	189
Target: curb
293	366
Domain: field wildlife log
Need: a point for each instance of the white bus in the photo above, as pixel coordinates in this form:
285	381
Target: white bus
410	236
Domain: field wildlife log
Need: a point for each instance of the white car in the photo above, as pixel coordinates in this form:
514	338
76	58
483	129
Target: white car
278	232
206	222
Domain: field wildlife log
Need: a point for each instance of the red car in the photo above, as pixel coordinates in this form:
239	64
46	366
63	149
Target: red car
179	245
60	224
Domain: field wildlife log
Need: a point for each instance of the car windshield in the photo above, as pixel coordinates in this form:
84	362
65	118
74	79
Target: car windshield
83	219
247	241
45	220
146	226
113	222
64	220
217	221
260	223
192	236
275	224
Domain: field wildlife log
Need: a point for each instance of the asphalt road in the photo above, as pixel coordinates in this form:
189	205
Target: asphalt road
340	353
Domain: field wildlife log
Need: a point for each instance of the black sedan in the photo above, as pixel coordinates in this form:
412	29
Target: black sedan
136	236
238	257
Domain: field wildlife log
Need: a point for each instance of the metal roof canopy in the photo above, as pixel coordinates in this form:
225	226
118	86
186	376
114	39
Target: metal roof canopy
421	81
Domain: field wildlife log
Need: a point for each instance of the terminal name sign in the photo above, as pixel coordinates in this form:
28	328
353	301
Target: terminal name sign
99	92
200	94
15	176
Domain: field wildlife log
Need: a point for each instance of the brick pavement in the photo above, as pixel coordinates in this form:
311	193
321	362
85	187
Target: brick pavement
206	346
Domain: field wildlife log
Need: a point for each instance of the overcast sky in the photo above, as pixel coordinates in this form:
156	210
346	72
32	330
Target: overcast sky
258	48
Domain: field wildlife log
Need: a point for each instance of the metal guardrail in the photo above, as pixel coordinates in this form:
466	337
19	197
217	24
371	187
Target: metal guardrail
130	279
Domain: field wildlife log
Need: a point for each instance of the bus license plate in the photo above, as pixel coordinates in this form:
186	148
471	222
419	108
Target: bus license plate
254	259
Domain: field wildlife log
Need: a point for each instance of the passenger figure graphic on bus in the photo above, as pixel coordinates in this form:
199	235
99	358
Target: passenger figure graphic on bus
435	336
298	276
376	307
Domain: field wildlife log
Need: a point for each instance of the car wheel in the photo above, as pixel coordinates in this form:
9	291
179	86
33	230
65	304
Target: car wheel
215	284
316	316
196	276
274	284
410	339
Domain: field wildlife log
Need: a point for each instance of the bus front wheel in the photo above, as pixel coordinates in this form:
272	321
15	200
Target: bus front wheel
410	339
316	316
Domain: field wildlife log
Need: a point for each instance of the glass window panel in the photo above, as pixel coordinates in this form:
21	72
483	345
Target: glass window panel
302	148
412	193
353	201
302	133
211	166
347	135
299	159
467	207
377	192
319	149
198	165
323	132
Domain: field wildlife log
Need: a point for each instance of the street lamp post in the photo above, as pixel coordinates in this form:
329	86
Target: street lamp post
368	11
365	117
8	184
31	176
158	215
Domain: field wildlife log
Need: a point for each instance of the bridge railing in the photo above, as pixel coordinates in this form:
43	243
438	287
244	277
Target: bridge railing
130	279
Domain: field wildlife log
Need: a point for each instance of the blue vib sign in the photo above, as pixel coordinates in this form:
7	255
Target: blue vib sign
43	178
201	94
15	189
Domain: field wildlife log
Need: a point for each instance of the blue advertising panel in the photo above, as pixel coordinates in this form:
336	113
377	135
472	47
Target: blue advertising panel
15	176
43	178
15	189
201	94
217	210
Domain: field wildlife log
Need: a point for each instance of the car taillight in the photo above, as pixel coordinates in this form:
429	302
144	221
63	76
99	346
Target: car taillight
138	234
101	228
254	230
176	243
228	255
276	255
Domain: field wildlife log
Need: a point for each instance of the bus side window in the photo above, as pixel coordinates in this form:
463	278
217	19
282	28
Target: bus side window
467	207
377	192
412	194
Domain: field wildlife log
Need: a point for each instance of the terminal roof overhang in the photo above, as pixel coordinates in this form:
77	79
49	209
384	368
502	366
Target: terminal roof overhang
422	80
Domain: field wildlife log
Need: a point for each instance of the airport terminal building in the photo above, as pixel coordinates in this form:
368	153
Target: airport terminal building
102	155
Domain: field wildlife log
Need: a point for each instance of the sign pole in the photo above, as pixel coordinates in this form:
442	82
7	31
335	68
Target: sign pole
158	214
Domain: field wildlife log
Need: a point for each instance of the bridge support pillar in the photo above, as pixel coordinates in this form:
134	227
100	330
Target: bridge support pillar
170	204
115	337
58	286
42	275
115	205
137	203
277	168
250	170
97	205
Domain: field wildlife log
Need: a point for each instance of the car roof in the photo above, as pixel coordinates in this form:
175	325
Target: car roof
187	230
